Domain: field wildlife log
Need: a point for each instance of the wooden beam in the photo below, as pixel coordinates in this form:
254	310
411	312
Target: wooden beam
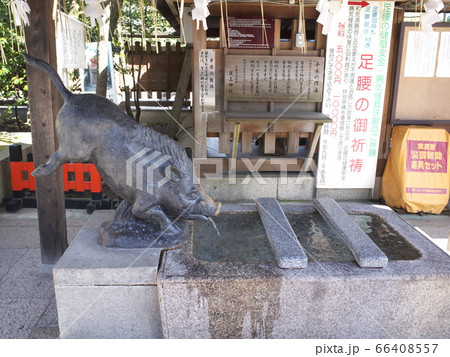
182	87
294	30
224	143
269	143
321	40
309	159
44	105
293	140
246	142
235	144
386	124
280	11
277	34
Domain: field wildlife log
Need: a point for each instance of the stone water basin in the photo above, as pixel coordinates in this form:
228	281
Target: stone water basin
232	287
244	239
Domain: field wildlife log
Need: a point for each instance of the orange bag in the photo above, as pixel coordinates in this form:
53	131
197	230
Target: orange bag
416	176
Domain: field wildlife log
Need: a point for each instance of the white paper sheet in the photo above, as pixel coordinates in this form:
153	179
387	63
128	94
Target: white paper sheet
443	66
421	53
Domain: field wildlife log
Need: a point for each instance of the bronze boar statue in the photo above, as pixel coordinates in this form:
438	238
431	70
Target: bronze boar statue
150	171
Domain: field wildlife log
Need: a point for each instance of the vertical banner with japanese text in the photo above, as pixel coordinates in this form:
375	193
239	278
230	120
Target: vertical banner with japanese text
70	42
355	79
207	71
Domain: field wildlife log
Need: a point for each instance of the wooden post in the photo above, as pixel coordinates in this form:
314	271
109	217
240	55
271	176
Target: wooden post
309	159
224	142
292	145
321	40
45	102
246	142
269	142
183	84
237	129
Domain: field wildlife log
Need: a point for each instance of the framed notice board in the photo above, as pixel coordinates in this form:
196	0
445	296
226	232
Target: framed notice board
422	82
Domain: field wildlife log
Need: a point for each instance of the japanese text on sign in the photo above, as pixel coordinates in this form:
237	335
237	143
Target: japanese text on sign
274	78
250	32
426	156
207	73
354	86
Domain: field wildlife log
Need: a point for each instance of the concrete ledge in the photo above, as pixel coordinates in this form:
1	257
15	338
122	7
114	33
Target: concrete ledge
291	187
299	187
285	245
366	253
245	188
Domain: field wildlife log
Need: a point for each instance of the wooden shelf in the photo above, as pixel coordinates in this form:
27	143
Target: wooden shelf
308	117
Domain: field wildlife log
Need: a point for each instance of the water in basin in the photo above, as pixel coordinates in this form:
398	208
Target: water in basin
321	243
243	239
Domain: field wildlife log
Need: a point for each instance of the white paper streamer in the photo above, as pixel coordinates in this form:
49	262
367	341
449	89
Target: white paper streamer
201	12
431	16
94	10
437	5
70	42
328	11
20	10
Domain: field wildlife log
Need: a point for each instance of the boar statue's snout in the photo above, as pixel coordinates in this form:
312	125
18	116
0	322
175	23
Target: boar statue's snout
203	208
217	206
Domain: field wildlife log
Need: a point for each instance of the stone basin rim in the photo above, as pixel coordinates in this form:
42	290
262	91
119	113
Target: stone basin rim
180	265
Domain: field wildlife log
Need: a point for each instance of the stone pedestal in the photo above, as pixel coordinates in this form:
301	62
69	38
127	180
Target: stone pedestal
106	292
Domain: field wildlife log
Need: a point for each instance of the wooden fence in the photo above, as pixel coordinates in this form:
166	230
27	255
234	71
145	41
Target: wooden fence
156	72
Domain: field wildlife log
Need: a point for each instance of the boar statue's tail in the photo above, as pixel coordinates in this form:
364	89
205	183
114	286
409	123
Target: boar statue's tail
47	69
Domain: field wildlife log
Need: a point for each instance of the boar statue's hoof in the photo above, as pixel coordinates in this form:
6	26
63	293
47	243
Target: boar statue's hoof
128	231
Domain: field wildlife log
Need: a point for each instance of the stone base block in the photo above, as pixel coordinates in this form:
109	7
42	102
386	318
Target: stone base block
108	312
106	292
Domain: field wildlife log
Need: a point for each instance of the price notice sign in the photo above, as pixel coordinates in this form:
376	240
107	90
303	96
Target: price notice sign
355	80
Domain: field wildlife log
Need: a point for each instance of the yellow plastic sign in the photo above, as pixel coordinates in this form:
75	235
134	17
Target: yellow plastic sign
416	177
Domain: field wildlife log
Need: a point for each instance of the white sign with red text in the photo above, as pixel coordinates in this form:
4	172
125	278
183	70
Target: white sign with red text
355	78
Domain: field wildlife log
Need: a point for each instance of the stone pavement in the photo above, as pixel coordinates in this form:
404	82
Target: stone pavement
27	300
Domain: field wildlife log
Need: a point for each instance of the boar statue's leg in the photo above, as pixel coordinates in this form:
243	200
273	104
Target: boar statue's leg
137	226
154	213
51	165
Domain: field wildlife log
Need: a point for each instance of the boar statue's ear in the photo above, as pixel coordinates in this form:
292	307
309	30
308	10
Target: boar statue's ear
173	173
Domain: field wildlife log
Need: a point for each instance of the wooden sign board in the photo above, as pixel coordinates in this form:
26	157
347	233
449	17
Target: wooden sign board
422	80
207	86
250	32
274	78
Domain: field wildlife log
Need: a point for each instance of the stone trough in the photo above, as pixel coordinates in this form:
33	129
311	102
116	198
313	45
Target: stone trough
276	271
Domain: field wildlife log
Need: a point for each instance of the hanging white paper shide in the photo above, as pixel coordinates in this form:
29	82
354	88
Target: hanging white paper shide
20	11
70	42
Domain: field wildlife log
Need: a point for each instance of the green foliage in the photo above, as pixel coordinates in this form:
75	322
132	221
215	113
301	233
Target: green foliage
13	80
131	21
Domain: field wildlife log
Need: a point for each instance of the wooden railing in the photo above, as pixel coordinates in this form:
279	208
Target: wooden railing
156	72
